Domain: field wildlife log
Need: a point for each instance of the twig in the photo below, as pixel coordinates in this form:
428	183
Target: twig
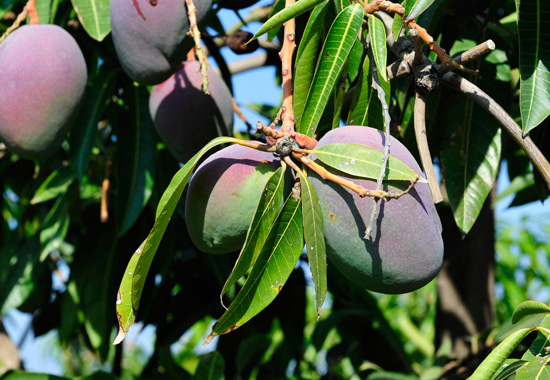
286	53
487	103
423	148
380	5
196	34
387	120
241	116
474	53
29	9
105	186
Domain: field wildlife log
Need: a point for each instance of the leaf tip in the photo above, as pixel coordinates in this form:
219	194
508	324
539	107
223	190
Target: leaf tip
121	335
208	339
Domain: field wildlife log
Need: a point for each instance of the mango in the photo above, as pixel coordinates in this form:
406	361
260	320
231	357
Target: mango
184	116
223	195
149	36
405	249
43	79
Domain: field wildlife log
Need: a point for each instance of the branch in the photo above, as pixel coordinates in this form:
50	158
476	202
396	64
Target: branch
29	9
487	103
286	53
423	148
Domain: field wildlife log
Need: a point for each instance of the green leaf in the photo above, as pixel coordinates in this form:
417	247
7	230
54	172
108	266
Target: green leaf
306	58
337	47
266	212
81	139
498	355
355	61
278	6
377	33
537	369
211	367
136	158
56	184
528	308
470	161
273	266
315	240
94	16
19	273
414	8
286	14
541	342
55	228
534	61
133	280
509	368
43	8
397	24
365	108
363	161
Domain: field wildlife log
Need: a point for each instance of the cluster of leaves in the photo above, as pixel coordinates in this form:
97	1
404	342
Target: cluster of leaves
51	209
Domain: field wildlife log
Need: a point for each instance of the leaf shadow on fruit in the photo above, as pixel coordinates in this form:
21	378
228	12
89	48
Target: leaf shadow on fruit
197	120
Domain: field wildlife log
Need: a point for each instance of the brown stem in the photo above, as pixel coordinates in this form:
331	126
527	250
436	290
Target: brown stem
29	9
286	53
105	186
423	148
474	53
33	14
487	103
196	34
241	116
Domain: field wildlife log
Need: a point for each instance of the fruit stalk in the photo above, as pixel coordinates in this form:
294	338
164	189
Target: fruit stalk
196	34
29	9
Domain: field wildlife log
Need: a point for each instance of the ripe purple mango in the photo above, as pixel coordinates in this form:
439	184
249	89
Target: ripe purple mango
406	251
43	78
223	195
186	118
149	36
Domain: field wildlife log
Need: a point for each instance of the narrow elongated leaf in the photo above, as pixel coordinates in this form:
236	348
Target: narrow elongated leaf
538	366
266	212
528	308
509	368
136	158
43	8
81	139
306	58
278	6
315	240
414	8
211	367
363	161
286	14
338	45
470	161
397	24
133	280
534	61
377	33
355	61
496	358
273	266
57	183
55	228
366	109
94	16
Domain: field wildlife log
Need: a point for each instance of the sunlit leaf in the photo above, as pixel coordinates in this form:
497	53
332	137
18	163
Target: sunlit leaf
43	8
498	355
529	307
377	33
337	47
266	212
509	368
538	366
306	58
414	8
363	161
315	240
286	14
366	109
273	266
94	16
56	184
133	280
534	61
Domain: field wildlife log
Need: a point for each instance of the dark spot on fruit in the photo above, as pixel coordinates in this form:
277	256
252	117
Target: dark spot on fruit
332	217
153	2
